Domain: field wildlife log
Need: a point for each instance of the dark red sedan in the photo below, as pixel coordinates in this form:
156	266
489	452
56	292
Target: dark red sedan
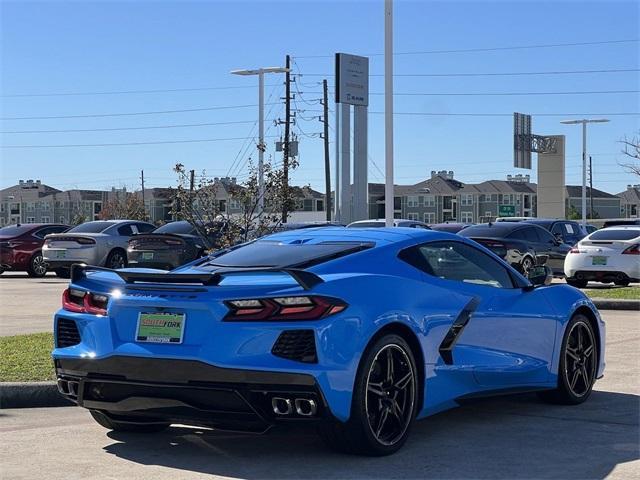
21	247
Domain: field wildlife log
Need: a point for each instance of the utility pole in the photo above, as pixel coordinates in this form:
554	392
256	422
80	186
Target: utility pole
327	168
590	187
192	175
389	199
285	149
144	205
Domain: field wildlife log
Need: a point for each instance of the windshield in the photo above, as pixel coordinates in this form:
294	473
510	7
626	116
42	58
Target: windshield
493	230
91	227
274	254
183	228
14	230
366	225
615	234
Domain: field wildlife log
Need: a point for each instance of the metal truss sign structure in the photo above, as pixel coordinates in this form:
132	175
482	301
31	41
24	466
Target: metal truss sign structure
524	142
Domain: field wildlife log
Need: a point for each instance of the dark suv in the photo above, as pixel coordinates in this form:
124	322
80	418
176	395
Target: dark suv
520	244
21	247
568	231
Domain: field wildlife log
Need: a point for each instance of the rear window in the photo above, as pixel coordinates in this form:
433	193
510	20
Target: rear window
275	254
615	234
14	230
366	224
495	230
91	227
176	227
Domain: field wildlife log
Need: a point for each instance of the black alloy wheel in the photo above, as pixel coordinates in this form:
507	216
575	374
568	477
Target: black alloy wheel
578	364
116	260
526	265
37	266
385	401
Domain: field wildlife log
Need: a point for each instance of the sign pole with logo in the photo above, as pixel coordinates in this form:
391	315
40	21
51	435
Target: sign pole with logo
352	88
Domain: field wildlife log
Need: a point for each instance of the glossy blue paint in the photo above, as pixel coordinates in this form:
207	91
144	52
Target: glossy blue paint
511	341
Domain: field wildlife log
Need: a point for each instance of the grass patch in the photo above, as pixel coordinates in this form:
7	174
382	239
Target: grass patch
26	358
621	293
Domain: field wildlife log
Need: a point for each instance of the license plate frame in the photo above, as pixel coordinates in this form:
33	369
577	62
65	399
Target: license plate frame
598	260
157	330
147	255
61	254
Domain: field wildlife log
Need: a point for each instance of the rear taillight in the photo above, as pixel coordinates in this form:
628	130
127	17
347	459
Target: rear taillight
632	250
79	301
575	250
85	241
171	241
283	308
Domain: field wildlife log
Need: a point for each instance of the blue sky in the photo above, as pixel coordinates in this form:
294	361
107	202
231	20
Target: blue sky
79	47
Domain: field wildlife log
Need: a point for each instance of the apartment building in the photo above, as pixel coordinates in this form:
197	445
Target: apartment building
630	202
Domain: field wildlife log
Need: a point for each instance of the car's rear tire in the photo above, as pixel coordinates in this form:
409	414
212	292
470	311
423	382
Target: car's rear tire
63	272
37	266
622	283
384	404
577	283
526	265
138	427
116	259
578	364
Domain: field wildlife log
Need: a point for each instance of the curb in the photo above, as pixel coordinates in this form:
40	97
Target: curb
31	394
610	304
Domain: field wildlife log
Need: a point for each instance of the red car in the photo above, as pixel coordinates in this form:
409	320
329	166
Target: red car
21	247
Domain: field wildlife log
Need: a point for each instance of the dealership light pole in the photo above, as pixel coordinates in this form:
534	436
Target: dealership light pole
261	146
388	113
584	158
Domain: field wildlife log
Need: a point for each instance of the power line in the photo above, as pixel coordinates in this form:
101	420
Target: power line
184	125
124	92
470	94
481	114
128	143
490	49
489	74
96	115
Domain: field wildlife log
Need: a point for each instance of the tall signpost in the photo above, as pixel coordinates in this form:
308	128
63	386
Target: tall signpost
551	161
352	88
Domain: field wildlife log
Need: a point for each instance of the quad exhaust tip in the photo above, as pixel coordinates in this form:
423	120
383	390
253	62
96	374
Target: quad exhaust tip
304	407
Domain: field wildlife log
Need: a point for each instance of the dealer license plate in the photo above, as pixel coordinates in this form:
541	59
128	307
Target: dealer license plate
160	327
61	254
598	260
147	255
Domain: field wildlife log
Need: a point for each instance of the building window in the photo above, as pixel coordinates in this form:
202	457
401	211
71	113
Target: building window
46	206
45	220
31	219
234	204
222	206
429	201
307	205
1	207
319	205
31	206
62	219
412	216
412	201
430	218
506	199
14	208
466	217
467	199
494	197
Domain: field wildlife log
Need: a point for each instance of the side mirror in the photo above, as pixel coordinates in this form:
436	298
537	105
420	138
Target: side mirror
540	275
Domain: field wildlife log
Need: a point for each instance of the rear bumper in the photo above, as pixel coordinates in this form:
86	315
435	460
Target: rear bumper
186	391
602	276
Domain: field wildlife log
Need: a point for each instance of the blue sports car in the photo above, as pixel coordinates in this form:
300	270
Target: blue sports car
357	332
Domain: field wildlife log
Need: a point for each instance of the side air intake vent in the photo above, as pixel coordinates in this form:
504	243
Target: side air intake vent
67	333
298	345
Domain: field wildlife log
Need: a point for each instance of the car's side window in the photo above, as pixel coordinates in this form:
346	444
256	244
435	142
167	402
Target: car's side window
125	230
557	229
545	236
459	262
144	227
518	235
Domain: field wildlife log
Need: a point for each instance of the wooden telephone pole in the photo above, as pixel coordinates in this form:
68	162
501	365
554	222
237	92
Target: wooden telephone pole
285	149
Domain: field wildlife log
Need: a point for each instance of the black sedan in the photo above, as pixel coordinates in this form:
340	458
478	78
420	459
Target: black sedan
520	244
172	245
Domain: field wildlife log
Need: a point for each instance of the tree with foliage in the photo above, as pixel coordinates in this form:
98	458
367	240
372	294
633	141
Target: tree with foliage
206	206
632	150
127	206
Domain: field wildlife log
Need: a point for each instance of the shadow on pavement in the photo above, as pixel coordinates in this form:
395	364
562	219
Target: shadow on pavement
509	437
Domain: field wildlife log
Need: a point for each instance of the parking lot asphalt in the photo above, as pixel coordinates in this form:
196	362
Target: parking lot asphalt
507	438
27	304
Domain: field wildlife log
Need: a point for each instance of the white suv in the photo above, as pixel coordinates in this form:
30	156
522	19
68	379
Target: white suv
608	255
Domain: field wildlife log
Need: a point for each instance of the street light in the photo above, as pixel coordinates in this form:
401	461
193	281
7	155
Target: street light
261	146
584	158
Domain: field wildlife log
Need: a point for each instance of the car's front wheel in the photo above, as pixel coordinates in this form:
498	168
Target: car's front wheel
578	364
138	427
385	401
622	283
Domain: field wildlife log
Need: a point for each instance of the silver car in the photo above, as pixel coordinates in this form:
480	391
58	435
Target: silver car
100	243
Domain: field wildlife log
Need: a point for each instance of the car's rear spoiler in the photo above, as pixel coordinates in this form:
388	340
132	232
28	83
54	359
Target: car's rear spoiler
305	279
